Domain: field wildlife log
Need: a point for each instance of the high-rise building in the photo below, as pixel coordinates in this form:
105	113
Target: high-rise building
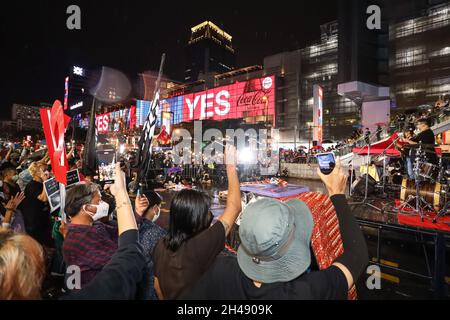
363	52
363	62
77	96
409	53
296	73
287	66
420	55
406	61
209	51
26	117
320	67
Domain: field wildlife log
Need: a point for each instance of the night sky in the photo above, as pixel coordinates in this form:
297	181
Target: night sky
37	49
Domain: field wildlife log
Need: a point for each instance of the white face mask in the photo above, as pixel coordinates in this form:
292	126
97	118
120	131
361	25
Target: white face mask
156	216
102	210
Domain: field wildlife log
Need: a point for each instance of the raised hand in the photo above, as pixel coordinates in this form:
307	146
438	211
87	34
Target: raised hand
336	181
15	201
119	185
141	204
230	155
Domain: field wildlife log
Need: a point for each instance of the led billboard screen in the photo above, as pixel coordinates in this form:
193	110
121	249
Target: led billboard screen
252	98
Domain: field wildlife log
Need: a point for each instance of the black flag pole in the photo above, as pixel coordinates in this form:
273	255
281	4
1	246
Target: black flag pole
145	142
90	157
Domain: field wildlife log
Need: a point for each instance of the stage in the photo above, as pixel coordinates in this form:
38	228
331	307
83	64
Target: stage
386	223
413	260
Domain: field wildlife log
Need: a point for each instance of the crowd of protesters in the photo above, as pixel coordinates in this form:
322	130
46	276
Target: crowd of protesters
339	148
436	114
302	155
119	252
169	173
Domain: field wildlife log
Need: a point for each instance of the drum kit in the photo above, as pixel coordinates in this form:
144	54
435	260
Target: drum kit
428	191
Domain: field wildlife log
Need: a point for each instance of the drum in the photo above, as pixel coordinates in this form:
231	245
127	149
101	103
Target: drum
433	193
428	170
396	177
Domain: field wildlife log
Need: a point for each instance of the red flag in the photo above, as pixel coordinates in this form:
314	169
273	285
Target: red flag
55	122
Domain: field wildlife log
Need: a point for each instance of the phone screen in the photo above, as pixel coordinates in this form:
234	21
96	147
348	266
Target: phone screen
107	164
327	162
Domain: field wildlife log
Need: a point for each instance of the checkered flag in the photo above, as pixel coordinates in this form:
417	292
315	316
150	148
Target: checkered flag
145	142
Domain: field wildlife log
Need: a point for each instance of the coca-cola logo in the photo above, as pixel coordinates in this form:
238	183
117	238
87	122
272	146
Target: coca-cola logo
267	83
253	98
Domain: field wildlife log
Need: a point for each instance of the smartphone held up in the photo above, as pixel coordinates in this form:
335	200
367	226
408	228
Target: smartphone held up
326	161
106	157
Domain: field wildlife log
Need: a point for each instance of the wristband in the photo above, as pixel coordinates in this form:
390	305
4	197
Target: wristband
6	225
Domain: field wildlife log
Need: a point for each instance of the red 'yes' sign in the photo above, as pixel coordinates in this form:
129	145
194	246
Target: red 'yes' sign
252	98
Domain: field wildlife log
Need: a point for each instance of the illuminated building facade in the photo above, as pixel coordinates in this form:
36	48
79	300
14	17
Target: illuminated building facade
320	67
411	54
420	57
26	117
209	51
287	67
249	101
77	98
296	73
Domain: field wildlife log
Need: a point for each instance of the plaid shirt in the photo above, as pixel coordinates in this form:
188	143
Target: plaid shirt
149	235
90	248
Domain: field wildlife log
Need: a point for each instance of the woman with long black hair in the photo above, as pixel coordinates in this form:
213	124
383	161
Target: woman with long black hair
192	244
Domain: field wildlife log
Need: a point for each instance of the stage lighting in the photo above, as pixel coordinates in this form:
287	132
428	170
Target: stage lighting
246	156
